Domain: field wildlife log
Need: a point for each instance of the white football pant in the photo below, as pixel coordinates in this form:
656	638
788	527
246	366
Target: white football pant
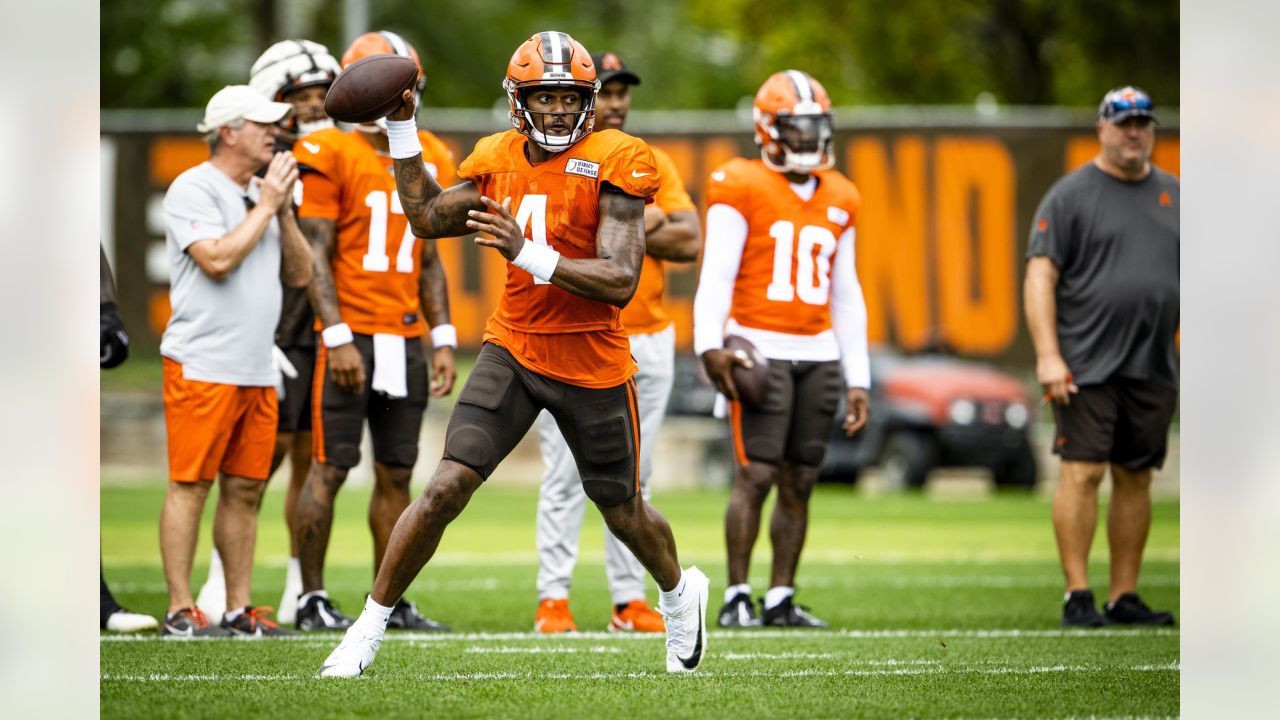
561	501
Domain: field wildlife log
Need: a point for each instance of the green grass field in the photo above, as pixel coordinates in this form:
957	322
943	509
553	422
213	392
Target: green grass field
938	609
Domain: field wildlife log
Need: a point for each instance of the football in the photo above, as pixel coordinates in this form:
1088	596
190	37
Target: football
371	88
753	382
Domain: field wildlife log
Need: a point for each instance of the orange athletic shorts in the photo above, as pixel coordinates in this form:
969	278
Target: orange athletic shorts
213	426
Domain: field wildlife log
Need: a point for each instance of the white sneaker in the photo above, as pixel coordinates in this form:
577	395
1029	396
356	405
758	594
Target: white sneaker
125	621
687	624
356	652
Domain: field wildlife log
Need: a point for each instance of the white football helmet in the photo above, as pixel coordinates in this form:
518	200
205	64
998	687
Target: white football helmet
291	65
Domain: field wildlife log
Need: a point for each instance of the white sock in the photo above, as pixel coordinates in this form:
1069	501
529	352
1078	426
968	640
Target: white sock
215	566
375	614
776	595
293	574
734	591
231	615
314	593
671	598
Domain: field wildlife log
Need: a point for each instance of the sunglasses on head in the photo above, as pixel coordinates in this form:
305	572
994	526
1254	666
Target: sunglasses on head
1135	103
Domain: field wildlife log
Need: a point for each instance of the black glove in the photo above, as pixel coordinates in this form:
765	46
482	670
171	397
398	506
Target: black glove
115	343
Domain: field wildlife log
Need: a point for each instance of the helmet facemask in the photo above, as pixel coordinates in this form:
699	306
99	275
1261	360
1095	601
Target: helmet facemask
799	142
580	122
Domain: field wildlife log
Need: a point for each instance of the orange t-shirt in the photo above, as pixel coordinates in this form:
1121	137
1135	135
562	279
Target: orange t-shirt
645	313
784	279
377	261
549	330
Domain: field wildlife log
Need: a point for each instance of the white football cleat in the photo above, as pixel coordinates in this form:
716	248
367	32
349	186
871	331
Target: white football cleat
127	621
356	652
687	624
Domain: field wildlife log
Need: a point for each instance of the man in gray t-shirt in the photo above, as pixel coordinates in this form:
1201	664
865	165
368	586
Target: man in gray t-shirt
231	239
1101	299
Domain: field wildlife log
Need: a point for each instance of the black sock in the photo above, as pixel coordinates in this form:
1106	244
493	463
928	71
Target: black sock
109	606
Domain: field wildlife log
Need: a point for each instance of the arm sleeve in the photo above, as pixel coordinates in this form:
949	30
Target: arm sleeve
849	315
1051	234
726	237
191	213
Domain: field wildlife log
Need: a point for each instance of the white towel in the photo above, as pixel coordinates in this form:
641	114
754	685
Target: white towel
388	366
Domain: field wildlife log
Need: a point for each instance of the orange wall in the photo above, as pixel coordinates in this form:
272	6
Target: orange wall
940	237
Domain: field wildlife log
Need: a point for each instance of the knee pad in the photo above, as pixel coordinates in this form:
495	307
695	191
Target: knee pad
402	455
810	453
471	443
343	456
609	491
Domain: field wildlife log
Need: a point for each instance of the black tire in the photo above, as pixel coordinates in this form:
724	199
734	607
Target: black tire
907	459
1019	472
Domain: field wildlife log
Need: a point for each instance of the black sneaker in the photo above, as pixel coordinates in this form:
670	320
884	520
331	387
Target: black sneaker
319	613
253	623
1080	610
405	616
739	612
1128	609
191	623
788	614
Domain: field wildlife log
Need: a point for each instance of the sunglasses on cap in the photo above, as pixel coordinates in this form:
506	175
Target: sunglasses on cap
1126	102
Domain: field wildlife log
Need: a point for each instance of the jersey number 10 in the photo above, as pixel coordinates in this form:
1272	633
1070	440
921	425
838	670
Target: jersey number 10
813	287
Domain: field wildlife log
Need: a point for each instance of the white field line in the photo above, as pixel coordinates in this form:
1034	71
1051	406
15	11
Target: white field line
851	580
952	668
539	650
763	634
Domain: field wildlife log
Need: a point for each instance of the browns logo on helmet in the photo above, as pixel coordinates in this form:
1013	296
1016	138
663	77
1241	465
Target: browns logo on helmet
793	123
384	42
551	59
292	65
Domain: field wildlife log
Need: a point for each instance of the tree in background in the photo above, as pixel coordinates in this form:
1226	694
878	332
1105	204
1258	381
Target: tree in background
708	53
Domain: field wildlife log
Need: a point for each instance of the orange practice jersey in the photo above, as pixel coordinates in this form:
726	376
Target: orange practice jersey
552	331
645	313
784	279
377	263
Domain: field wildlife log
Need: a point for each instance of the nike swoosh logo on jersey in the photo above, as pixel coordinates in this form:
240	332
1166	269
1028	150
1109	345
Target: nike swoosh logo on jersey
315	149
635	174
691	662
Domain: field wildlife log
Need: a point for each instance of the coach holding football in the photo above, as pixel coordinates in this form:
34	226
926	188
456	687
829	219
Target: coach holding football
231	240
1101	298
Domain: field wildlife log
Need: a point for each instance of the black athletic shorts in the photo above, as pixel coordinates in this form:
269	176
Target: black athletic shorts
337	416
501	400
295	406
1124	422
793	423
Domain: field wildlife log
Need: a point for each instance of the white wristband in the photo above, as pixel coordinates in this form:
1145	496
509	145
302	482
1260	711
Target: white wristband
336	335
402	136
538	260
444	336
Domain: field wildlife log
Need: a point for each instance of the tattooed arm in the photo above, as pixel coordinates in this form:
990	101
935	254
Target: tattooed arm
344	362
433	212
611	276
433	291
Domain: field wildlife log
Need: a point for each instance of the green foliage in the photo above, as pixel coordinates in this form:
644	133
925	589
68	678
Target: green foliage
695	54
